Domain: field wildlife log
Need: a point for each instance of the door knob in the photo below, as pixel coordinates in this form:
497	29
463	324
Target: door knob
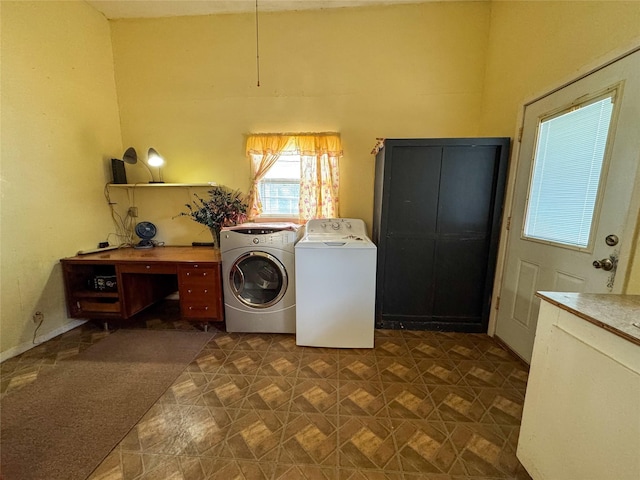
605	264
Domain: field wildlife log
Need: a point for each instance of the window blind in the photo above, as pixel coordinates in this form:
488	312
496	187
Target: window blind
568	162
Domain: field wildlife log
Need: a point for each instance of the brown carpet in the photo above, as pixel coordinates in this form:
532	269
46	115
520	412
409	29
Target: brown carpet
66	422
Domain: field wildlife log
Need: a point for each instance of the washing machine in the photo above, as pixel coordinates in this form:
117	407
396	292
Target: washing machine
258	276
335	285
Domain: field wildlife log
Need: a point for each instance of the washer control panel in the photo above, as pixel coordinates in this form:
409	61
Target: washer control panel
337	226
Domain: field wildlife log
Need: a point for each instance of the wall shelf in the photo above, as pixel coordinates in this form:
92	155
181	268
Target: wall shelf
145	185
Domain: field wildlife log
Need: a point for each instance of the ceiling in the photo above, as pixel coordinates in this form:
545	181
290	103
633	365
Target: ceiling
113	9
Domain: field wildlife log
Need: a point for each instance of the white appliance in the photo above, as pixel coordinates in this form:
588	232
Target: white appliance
258	273
335	285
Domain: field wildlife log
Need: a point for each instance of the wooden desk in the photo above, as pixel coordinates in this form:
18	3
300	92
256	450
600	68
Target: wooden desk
117	284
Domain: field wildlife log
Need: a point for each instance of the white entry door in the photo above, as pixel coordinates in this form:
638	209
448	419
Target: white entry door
576	173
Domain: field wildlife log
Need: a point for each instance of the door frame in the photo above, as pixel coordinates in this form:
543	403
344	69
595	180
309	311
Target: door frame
598	64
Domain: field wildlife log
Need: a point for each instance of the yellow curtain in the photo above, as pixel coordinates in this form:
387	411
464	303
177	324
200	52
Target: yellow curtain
319	173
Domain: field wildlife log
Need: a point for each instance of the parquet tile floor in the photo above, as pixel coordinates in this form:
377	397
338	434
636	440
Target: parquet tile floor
420	405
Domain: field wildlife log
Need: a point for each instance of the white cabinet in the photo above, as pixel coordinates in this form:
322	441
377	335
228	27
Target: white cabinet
581	418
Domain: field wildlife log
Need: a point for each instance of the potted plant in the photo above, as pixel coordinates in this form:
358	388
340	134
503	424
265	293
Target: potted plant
223	208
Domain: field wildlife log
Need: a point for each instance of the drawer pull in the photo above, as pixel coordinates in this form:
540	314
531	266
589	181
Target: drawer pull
189	291
148	267
201	308
196	274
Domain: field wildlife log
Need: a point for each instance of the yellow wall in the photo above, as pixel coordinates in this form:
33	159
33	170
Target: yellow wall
187	86
59	125
536	46
633	285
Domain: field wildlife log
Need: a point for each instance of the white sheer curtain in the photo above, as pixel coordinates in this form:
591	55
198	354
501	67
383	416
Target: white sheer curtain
264	151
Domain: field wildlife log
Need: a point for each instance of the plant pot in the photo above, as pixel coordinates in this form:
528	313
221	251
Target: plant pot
215	234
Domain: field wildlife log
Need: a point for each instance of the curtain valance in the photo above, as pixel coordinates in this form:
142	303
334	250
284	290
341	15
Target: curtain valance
298	143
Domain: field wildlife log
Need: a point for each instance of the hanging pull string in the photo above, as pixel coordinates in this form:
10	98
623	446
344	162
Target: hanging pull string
257	46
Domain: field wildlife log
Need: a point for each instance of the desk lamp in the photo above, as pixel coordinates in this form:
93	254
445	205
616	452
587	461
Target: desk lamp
155	160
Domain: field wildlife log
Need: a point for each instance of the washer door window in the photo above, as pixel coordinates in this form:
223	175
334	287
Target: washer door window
258	279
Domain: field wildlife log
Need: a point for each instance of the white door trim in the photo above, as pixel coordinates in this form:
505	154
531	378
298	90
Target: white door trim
505	233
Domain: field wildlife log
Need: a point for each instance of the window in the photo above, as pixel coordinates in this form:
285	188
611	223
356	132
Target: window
568	164
294	175
280	188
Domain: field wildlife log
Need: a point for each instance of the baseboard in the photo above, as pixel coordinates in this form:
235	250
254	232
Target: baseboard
12	352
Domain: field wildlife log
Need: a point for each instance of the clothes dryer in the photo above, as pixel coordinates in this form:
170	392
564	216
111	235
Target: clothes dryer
258	273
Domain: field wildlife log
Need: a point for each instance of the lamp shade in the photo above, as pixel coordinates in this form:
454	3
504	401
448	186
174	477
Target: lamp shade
154	159
130	156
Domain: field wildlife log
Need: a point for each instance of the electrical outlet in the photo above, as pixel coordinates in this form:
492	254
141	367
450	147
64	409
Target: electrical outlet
38	317
133	211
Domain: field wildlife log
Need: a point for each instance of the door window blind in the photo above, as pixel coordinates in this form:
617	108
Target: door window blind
566	174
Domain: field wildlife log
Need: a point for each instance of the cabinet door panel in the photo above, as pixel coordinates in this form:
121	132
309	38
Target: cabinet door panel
414	176
462	268
408	281
143	290
466	190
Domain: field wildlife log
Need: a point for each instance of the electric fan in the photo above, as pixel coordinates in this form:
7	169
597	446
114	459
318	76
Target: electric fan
146	231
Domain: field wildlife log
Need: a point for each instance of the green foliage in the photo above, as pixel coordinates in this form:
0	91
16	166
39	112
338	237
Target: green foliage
223	208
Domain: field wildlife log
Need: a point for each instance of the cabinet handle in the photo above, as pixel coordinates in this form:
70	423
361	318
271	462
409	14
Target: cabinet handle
189	291
148	267
195	265
188	273
204	274
206	291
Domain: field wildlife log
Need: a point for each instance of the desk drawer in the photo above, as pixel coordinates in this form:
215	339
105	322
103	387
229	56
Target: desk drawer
199	293
197	275
149	268
200	310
